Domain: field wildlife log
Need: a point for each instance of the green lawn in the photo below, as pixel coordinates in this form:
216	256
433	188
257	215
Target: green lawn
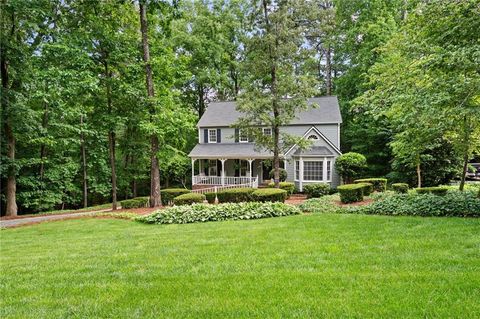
290	267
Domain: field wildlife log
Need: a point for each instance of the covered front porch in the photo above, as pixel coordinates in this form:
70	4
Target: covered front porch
228	171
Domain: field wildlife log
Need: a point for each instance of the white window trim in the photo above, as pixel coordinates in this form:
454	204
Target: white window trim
240	137
216	137
267	128
314	159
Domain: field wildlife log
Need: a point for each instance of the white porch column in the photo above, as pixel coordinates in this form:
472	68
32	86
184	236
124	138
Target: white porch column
223	170
300	178
250	170
324	169
193	171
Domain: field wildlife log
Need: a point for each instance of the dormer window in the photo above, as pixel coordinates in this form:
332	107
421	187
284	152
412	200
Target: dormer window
242	137
312	137
267	131
212	136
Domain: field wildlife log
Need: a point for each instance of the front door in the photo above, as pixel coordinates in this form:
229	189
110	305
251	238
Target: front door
266	168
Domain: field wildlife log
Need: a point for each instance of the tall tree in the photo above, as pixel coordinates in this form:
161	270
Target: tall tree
274	91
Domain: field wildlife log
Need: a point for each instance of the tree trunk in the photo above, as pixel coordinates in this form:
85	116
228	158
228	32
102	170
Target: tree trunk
155	199
111	136
328	67
466	141
419	175
201	101
84	164
134	188
11	209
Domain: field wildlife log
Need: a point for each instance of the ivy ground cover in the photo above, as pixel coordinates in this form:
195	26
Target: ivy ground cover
302	266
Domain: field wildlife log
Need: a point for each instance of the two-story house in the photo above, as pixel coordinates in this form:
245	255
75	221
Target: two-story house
225	156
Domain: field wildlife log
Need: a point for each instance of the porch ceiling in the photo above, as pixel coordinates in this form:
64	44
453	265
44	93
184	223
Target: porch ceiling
229	151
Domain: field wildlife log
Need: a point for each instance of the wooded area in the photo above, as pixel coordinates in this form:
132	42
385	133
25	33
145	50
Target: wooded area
100	99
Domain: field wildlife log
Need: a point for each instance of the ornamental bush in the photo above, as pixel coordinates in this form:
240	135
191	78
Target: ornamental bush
400	188
367	188
168	194
351	193
235	195
230	211
189	199
283	174
439	190
270	195
289	187
379	184
453	203
316	190
350	165
210	197
137	202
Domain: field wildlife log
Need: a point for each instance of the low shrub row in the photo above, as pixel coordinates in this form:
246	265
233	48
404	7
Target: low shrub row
379	184
289	187
231	211
168	194
137	202
270	195
235	195
316	190
438	190
189	199
351	193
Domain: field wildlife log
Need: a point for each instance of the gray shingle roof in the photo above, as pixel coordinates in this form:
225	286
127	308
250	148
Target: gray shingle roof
327	110
314	150
228	150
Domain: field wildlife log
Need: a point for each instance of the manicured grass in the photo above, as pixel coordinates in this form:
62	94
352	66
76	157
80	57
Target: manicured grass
299	266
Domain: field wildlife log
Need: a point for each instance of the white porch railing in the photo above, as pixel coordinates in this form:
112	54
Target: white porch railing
223	181
252	182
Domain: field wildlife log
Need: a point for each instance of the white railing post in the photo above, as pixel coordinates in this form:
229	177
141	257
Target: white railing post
223	170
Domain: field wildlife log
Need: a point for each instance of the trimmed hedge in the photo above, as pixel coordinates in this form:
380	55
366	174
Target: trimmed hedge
282	173
401	188
210	197
289	187
231	211
189	199
439	190
270	195
379	184
137	202
235	195
168	194
367	188
453	203
316	190
351	193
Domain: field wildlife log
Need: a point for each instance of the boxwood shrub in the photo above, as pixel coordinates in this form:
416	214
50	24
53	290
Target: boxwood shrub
235	195
137	202
270	195
316	190
168	194
189	199
453	203
230	211
282	173
401	188
367	188
289	187
379	184
210	197
439	190
351	193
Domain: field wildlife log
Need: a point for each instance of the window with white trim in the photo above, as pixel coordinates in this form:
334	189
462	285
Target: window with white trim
267	131
244	168
329	170
242	137
313	170
212	136
297	170
312	137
